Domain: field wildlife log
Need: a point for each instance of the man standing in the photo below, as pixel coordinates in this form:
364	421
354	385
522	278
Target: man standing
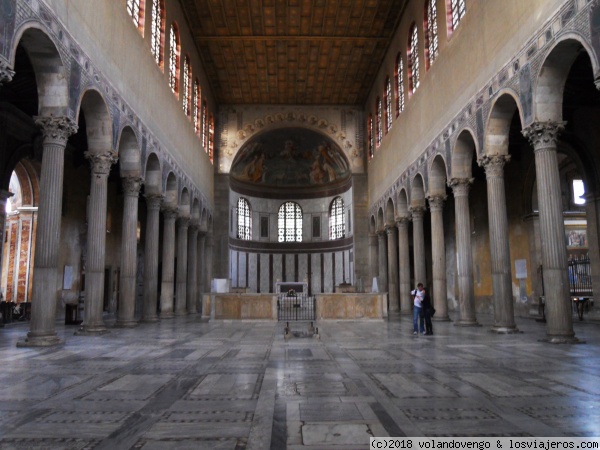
418	294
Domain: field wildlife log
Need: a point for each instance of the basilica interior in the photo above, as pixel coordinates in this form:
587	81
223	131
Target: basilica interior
213	214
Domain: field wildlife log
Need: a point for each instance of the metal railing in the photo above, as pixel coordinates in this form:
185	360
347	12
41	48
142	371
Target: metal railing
296	307
580	277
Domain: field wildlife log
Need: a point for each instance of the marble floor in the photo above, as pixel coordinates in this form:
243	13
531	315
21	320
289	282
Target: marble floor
187	384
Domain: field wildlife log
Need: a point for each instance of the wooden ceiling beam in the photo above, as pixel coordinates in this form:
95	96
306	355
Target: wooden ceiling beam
201	38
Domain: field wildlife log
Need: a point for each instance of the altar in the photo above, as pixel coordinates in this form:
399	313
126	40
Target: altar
299	287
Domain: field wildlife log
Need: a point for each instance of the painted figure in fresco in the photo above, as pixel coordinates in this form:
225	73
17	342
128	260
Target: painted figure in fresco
259	169
316	173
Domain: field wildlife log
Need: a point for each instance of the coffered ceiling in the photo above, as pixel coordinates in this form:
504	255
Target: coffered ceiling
292	51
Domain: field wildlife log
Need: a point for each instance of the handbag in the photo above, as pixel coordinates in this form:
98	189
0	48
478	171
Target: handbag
432	311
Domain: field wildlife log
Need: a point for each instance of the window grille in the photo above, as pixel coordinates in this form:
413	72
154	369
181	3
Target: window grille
211	137
204	127
399	84
337	219
244	221
370	135
174	60
290	222
458	12
378	128
187	78
414	59
136	13
432	32
388	105
196	106
156	38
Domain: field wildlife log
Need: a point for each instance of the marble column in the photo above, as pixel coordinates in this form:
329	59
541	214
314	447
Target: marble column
56	131
438	257
127	292
192	266
373	257
419	244
392	250
4	196
6	73
96	243
382	279
464	255
201	267
504	316
182	238
404	263
209	262
168	262
559	323
153	201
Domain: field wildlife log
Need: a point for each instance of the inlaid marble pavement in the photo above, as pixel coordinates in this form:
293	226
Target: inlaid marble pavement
184	383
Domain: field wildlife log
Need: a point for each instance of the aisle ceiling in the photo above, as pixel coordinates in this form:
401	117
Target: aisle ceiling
308	52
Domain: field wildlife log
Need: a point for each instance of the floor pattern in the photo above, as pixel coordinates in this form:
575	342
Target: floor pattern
188	384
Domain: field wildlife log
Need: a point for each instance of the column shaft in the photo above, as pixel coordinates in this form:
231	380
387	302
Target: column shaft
404	263
151	258
438	256
4	196
464	258
168	263
201	268
192	275
392	250
504	320
382	279
373	256
419	245
559	325
209	262
96	243
56	131
126	312
182	247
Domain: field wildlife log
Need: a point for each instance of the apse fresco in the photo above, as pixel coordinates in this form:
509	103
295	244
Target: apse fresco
290	157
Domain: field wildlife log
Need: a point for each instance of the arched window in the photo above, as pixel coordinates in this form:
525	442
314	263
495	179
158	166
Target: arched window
244	220
204	126
187	92
378	123
388	105
456	11
399	78
174	59
337	219
157	38
290	222
431	33
211	137
413	59
370	135
196	106
135	8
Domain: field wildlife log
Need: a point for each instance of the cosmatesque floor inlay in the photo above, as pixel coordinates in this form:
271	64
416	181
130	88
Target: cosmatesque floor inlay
185	383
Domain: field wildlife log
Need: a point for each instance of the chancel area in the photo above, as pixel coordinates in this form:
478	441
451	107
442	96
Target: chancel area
213	214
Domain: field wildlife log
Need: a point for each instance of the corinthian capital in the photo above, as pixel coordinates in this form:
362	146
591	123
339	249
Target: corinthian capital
436	202
402	221
460	186
170	211
6	73
493	165
56	130
417	212
132	185
101	162
153	201
543	134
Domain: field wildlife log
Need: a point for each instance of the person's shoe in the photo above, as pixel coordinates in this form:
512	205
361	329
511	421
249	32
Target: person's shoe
415	333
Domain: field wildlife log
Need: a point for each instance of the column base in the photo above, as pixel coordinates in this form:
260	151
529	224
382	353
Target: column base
505	330
562	340
405	312
92	330
467	323
180	313
166	315
149	319
441	319
126	323
47	340
192	312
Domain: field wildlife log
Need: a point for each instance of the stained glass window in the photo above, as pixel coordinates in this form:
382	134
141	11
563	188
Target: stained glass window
187	92
388	105
244	220
211	137
158	27
413	57
432	32
378	127
337	219
290	222
370	135
174	59
399	84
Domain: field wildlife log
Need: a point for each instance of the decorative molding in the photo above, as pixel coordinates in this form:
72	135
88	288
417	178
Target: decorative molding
6	73
101	162
132	186
56	130
493	165
543	134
